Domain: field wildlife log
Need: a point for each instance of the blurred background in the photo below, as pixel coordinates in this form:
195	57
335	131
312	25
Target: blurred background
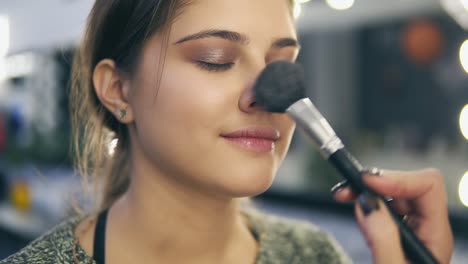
390	76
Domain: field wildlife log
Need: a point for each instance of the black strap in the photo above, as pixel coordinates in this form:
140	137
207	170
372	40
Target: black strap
99	246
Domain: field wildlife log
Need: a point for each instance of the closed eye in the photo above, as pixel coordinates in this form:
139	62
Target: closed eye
215	67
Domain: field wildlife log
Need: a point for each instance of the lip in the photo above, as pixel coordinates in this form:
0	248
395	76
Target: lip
257	139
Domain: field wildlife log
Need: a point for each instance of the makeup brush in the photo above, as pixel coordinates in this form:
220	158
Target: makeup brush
280	88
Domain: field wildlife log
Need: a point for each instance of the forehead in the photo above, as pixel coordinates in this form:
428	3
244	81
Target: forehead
255	18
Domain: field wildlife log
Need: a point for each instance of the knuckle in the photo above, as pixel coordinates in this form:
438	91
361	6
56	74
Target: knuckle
435	175
435	181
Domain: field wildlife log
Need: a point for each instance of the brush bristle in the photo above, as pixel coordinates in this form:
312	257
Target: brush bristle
279	86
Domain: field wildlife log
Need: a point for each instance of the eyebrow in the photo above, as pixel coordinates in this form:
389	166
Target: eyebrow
286	42
236	37
223	34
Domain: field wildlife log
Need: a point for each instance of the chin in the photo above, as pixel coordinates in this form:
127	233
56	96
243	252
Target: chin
243	183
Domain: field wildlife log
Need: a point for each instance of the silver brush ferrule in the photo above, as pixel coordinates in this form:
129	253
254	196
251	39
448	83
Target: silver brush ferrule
309	119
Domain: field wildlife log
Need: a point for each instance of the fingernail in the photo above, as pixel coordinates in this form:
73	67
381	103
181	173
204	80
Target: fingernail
373	171
339	187
368	202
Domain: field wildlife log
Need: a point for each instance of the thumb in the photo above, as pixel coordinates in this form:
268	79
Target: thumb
379	229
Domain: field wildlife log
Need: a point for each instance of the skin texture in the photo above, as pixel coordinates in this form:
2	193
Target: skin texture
186	177
420	195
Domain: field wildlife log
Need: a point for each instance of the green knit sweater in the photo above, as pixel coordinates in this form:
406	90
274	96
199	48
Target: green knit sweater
282	241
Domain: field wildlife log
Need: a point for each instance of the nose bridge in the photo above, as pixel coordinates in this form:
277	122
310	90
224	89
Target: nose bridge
247	100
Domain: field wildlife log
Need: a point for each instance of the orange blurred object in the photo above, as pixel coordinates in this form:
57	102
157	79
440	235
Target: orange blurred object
20	196
422	41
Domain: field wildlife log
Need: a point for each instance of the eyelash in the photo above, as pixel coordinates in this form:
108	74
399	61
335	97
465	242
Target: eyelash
214	66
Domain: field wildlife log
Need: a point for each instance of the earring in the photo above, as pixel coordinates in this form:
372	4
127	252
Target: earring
122	113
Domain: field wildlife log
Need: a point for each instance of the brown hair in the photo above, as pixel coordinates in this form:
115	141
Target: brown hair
117	30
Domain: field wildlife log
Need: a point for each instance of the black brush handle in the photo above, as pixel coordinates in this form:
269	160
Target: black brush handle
352	171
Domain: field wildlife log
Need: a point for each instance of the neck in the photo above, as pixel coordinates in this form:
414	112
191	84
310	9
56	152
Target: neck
165	218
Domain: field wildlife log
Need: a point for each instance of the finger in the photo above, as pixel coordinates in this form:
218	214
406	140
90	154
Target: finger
345	195
342	192
424	187
425	191
401	206
379	229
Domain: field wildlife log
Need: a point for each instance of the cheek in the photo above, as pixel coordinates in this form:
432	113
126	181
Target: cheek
188	97
178	130
287	126
189	106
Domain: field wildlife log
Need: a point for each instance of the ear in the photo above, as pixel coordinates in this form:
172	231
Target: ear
112	89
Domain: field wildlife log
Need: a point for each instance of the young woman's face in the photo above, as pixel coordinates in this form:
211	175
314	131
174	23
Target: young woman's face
202	127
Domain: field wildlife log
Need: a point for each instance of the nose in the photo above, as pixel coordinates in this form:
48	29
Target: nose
247	101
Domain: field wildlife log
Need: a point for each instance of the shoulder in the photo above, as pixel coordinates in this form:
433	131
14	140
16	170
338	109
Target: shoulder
296	241
55	246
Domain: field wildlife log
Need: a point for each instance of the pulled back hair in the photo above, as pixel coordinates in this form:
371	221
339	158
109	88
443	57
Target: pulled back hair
116	30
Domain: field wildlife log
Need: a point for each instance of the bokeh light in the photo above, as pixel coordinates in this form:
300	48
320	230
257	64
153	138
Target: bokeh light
464	121
464	4
340	4
298	7
297	10
463	189
464	55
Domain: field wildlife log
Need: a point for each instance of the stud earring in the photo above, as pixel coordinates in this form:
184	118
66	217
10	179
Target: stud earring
122	113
